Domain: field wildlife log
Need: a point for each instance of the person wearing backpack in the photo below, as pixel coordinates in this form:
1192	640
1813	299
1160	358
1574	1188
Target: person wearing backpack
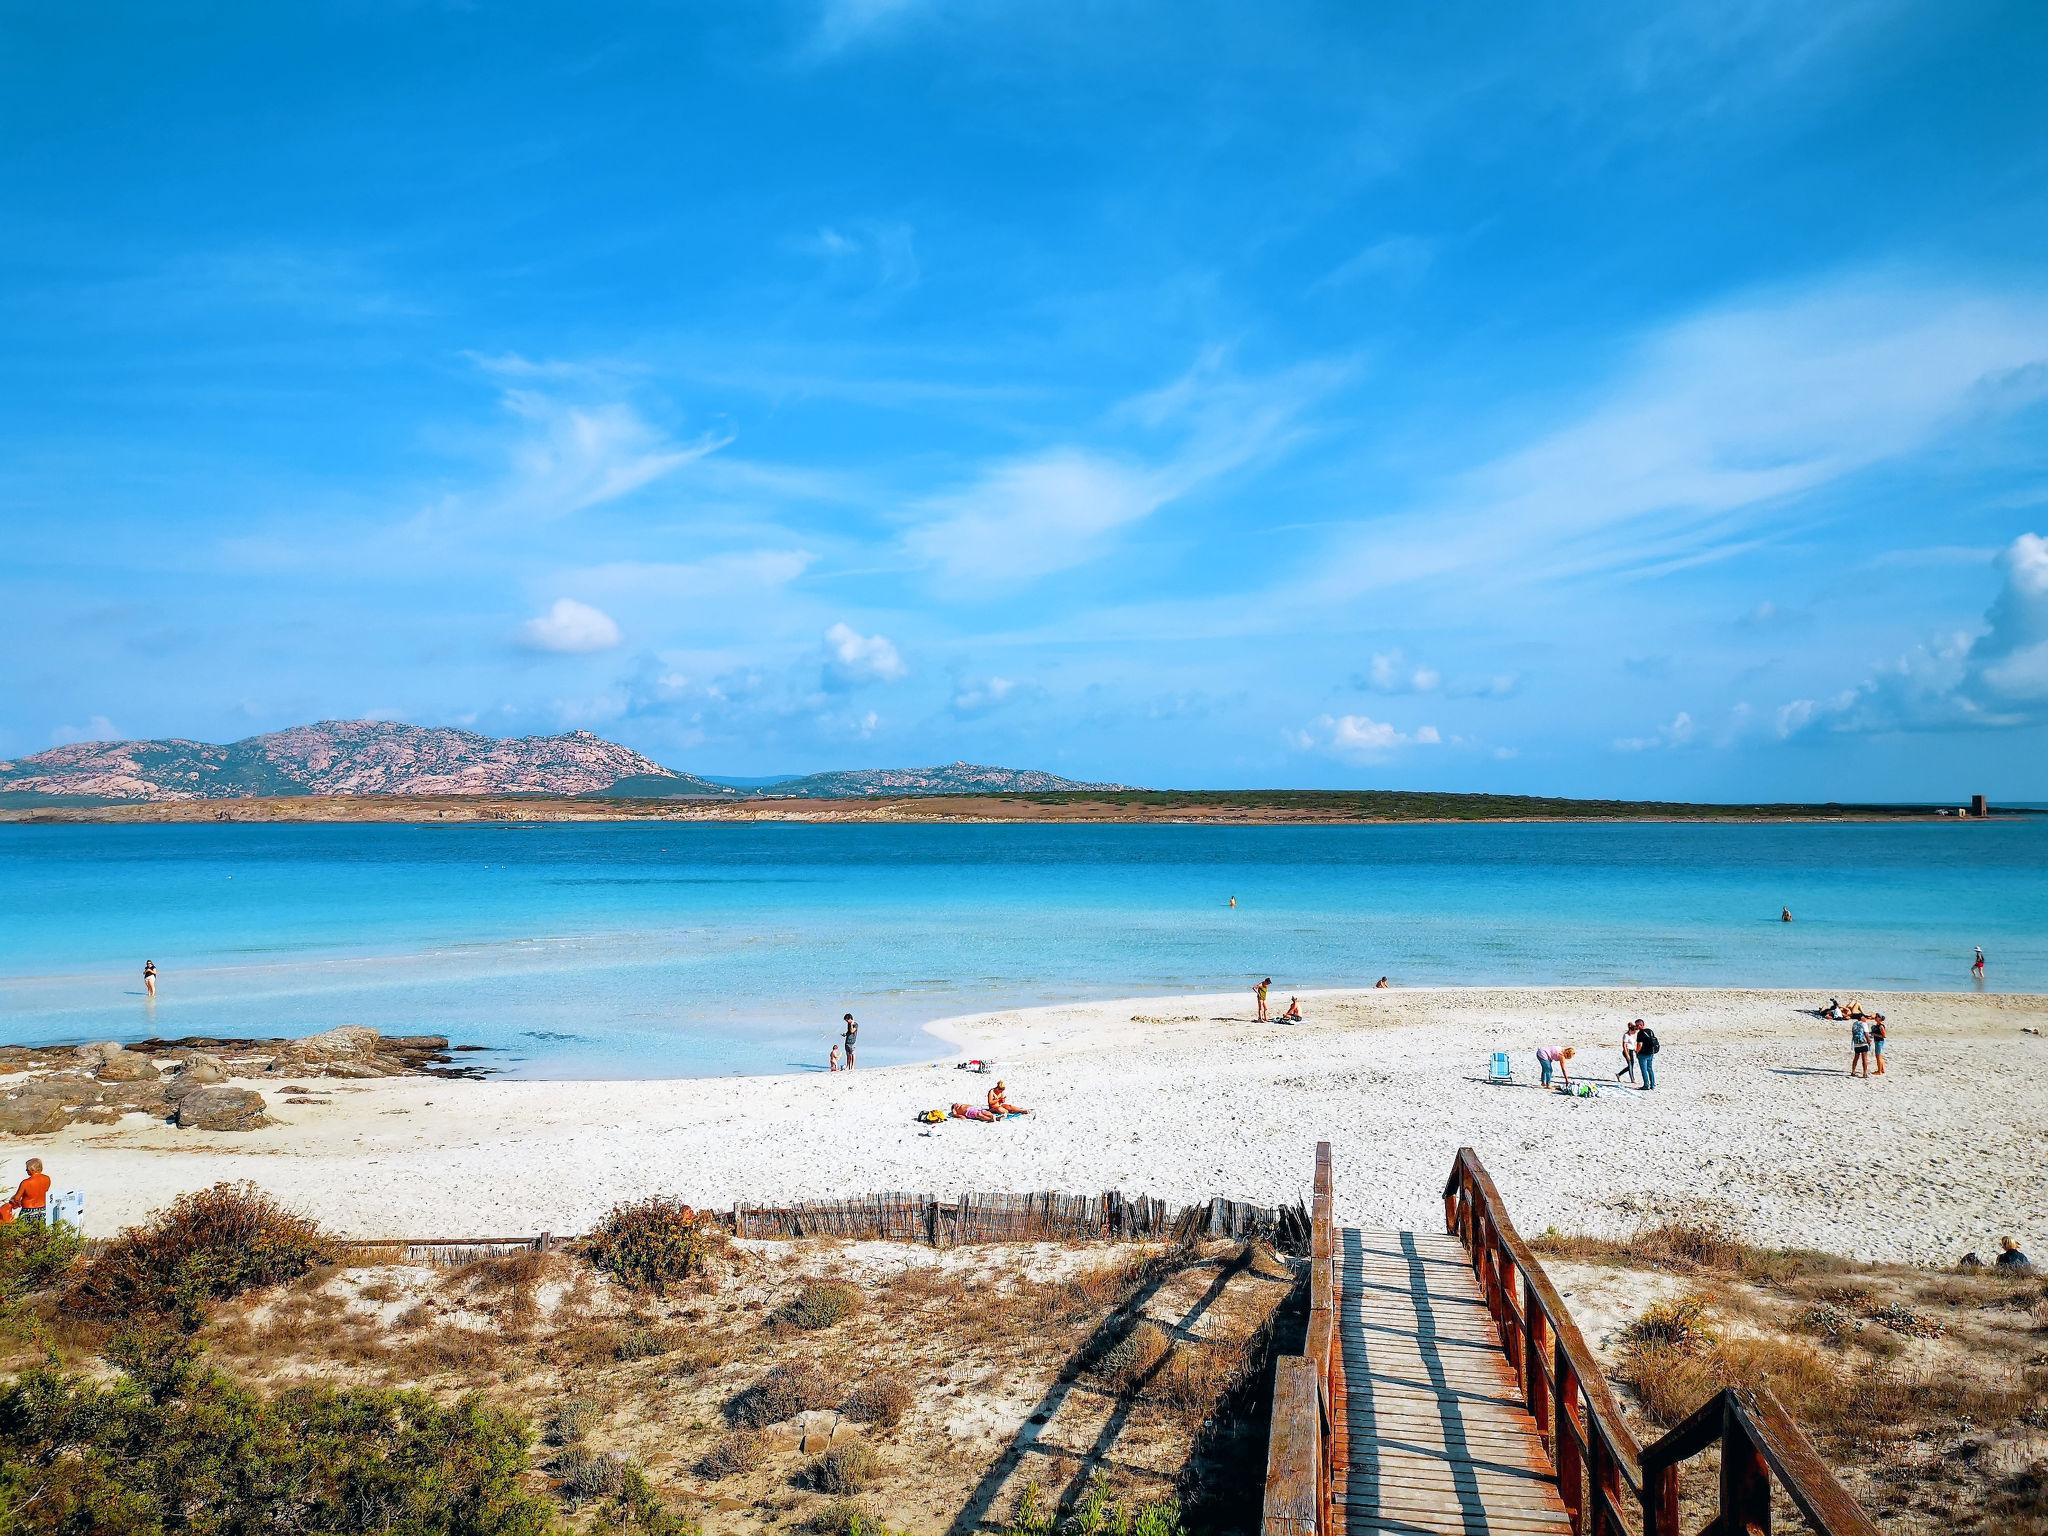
1646	1055
1859	1047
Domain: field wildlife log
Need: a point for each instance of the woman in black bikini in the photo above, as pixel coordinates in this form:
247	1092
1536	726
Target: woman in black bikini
149	978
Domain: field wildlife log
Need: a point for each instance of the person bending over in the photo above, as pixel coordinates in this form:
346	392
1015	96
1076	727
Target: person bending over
1552	1059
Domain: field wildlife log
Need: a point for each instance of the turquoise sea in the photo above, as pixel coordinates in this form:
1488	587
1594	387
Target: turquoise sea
678	949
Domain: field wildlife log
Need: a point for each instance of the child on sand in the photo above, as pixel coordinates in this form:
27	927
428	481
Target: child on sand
834	1067
1552	1058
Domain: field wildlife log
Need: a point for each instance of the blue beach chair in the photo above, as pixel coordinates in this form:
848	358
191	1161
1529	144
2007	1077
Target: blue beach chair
1500	1072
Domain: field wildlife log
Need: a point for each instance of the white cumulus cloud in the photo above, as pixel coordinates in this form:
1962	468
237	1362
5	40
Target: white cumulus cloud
1362	739
853	659
570	628
1679	733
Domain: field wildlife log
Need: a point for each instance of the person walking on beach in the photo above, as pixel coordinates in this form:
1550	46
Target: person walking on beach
1552	1059
1859	1047
1647	1047
1260	992
852	1030
149	978
1628	1050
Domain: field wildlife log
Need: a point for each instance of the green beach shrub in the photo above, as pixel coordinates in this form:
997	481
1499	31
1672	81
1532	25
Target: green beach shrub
34	1256
188	1449
818	1304
652	1244
201	1248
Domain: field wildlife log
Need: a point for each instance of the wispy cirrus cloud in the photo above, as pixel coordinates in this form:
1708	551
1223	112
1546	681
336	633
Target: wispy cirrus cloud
1030	516
1722	421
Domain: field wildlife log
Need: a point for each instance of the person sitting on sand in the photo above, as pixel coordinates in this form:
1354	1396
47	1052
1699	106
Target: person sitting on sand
1552	1058
999	1103
1293	1013
31	1200
2009	1255
1380	983
1833	1009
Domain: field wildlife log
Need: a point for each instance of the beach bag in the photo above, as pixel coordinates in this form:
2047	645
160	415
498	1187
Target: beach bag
932	1116
1646	1042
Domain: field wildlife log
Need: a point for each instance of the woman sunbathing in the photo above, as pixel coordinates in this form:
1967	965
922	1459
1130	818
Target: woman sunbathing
999	1103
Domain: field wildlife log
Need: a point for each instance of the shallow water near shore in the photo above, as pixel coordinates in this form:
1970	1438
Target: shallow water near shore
577	950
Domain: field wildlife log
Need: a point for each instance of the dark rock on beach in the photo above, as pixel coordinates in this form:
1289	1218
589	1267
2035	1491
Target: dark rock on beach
221	1107
189	1081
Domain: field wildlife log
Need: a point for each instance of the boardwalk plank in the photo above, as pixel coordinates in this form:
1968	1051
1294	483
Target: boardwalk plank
1438	1439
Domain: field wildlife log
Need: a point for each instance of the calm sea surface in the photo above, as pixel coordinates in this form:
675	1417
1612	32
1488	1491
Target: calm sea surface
625	951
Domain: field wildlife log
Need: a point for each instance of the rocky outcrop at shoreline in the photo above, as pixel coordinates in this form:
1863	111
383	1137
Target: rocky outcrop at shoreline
197	1081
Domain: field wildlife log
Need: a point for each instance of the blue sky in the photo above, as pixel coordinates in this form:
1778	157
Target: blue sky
1591	399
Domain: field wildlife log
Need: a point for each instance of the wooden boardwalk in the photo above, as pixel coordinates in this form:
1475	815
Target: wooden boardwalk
1434	1437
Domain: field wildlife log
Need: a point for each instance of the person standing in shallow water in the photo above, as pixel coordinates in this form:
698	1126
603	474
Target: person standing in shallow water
852	1029
149	978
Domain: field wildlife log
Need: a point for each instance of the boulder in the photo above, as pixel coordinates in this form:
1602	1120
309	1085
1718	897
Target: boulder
350	1051
124	1066
200	1069
30	1114
218	1107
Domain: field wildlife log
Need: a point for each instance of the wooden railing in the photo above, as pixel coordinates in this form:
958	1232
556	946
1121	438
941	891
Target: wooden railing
1602	1474
1298	1454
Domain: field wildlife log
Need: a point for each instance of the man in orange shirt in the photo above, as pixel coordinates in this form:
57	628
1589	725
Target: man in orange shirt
32	1196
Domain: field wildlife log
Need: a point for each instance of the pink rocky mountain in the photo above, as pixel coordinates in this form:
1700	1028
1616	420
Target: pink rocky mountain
346	757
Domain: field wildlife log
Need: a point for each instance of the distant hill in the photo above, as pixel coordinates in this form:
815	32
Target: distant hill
947	779
345	757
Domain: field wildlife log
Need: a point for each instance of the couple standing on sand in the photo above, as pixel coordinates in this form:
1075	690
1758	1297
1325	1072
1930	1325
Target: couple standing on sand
852	1032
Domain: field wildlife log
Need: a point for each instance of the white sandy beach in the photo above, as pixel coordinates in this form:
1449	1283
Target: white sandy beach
1754	1121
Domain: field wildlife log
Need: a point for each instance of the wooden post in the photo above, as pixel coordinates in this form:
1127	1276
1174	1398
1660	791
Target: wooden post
1570	1468
1745	1482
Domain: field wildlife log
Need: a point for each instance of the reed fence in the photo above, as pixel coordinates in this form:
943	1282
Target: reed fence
898	1216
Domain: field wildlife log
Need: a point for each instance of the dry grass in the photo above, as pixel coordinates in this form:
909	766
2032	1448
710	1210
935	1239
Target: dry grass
843	1469
1694	1248
790	1389
881	1400
1927	1390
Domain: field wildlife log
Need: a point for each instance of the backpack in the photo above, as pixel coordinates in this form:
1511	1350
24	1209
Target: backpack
1646	1042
